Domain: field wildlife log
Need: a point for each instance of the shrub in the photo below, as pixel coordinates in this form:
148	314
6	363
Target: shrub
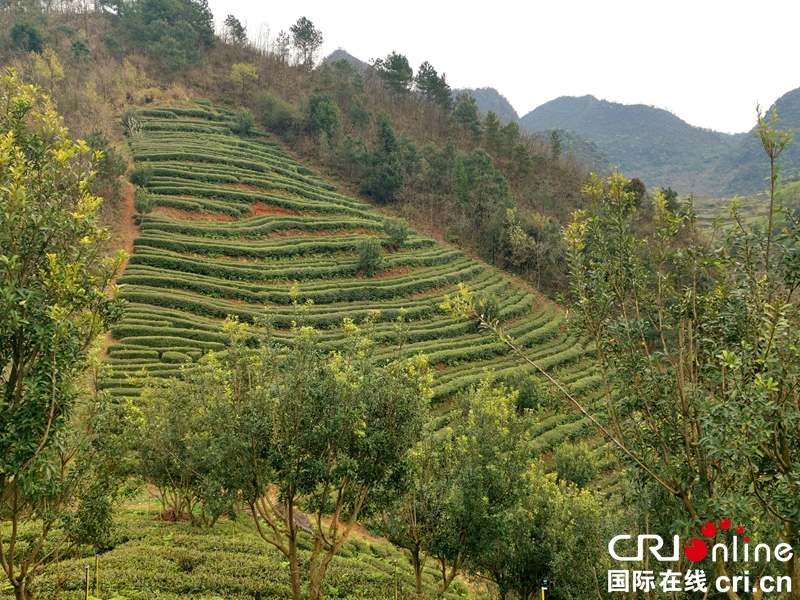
397	230
369	255
244	122
26	37
141	175
488	305
175	357
143	201
575	463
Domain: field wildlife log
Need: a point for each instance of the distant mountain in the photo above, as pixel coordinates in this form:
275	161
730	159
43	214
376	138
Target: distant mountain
644	141
745	168
489	99
341	53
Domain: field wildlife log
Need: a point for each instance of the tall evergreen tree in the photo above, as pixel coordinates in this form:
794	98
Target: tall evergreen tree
385	173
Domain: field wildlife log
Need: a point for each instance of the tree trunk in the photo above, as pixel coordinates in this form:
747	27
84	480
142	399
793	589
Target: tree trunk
417	570
294	568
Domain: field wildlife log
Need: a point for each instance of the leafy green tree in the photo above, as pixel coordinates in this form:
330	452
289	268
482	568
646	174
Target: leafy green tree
324	115
143	201
370	256
482	457
555	145
432	87
244	122
175	454
639	190
489	192
575	464
460	183
176	31
235	31
698	353
307	41
55	275
243	74
142	174
327	433
396	72
397	230
26	37
109	168
492	138
385	172
465	114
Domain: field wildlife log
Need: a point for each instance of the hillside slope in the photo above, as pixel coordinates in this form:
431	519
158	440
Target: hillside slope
644	141
237	220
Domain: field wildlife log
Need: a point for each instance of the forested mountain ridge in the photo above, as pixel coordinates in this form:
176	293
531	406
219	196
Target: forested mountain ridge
646	142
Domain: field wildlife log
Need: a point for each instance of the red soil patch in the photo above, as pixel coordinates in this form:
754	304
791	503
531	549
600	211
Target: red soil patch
185	215
259	208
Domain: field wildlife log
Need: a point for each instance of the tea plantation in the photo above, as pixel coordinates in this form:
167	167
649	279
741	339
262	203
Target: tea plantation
236	222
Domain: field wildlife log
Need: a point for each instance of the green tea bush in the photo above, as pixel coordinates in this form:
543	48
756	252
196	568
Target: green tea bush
370	257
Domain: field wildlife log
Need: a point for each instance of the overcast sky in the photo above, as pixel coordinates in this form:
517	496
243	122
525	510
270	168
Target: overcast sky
708	62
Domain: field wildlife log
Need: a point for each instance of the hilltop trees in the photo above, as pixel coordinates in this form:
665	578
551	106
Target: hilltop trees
306	40
396	73
176	31
54	279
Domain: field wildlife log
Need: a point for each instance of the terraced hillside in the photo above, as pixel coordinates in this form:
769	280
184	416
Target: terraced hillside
237	221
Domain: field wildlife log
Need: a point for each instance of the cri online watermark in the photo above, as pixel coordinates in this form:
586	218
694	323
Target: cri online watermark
696	550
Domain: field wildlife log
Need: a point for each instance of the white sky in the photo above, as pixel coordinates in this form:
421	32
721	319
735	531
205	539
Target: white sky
706	61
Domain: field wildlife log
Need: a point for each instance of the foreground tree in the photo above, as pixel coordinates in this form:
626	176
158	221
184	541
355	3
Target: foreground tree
698	350
465	480
54	280
298	429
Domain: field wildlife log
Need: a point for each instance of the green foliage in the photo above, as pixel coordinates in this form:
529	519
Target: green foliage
244	122
54	278
397	230
396	73
328	430
460	183
698	360
469	475
141	175
108	169
370	257
143	201
26	37
306	40
235	31
576	464
278	115
434	88
384	174
324	115
638	189
174	31
465	114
